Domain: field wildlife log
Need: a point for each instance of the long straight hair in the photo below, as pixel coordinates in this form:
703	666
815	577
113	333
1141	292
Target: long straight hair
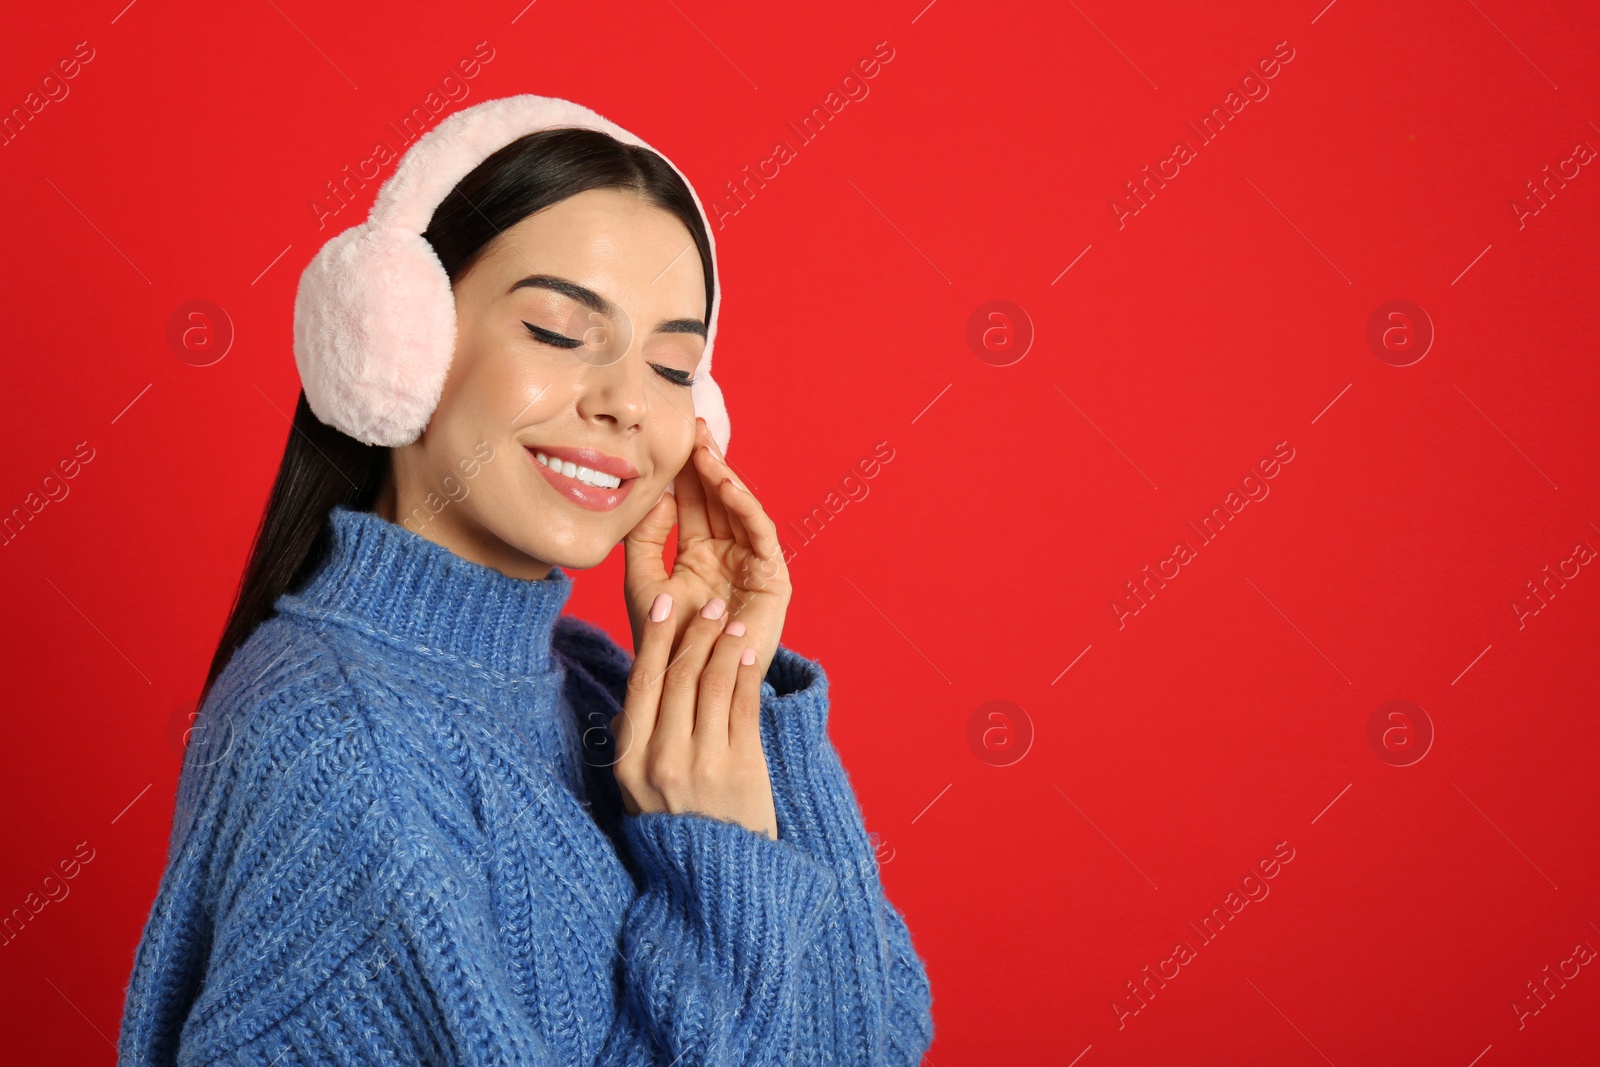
322	466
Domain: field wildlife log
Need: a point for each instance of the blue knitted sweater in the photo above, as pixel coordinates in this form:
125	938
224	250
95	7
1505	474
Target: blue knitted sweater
398	839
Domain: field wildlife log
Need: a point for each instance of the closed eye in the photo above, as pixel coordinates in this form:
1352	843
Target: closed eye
671	374
549	337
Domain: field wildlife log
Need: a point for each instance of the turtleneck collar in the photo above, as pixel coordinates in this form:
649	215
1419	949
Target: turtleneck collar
397	585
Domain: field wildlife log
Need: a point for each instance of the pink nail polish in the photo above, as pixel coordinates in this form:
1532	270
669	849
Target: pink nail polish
661	606
749	657
713	608
734	629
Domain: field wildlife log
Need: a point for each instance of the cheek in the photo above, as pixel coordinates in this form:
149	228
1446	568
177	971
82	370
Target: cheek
672	454
530	388
501	383
492	387
468	425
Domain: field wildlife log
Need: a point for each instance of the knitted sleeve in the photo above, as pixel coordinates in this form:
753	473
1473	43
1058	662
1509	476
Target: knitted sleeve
712	946
874	1000
818	811
352	928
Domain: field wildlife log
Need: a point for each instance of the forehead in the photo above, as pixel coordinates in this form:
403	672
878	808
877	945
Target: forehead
610	240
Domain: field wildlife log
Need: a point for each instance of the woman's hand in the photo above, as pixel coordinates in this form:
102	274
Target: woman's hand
727	548
690	726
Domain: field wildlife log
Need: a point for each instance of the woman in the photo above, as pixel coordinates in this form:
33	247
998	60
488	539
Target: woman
426	818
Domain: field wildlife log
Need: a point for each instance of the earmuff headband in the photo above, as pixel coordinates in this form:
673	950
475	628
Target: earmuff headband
374	315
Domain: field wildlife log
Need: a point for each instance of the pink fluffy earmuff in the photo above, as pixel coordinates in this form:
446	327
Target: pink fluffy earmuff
374	315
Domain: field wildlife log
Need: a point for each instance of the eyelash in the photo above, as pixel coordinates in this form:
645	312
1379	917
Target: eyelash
556	340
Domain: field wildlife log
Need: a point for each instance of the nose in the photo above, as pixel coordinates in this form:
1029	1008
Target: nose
616	391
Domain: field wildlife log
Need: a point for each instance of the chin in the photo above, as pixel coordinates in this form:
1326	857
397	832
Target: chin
573	557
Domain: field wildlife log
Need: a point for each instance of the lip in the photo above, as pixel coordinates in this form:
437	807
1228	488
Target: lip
588	457
592	497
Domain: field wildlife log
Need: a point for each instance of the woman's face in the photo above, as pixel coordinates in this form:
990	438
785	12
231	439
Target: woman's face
575	331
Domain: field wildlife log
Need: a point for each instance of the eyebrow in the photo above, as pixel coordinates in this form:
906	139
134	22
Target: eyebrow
595	302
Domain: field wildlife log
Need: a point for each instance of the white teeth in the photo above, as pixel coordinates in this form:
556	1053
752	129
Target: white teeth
582	474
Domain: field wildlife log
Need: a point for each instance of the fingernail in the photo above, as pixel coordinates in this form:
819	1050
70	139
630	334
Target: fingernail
749	657
734	629
662	605
713	608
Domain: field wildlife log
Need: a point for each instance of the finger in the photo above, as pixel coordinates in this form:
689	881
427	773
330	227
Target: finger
716	688
642	701
727	493
644	546
710	477
763	532
722	460
689	488
681	689
744	713
712	471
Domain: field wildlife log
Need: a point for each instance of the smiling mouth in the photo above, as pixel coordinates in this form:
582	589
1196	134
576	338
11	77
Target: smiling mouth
586	475
584	486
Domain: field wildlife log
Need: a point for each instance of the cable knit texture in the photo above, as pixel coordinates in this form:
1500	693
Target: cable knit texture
398	839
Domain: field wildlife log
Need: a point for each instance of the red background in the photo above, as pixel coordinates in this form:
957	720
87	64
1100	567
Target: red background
1226	316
